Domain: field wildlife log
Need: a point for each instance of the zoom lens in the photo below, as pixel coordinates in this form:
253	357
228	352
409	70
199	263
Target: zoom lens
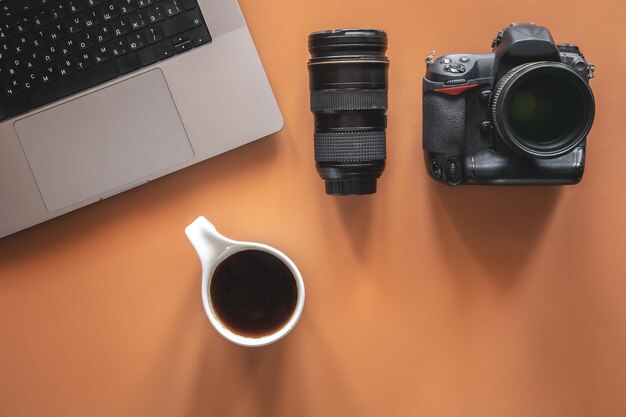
543	109
348	82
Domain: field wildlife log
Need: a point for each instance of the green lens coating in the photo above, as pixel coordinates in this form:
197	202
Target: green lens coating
546	109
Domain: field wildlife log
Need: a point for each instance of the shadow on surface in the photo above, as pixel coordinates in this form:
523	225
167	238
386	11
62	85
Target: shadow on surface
356	216
281	379
231	379
498	226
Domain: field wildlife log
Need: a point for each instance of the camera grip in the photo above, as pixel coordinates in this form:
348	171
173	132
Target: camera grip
443	123
491	167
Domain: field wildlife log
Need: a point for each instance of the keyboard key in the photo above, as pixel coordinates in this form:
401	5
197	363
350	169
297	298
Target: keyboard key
19	44
164	49
119	48
109	11
25	6
4	112
102	54
48	73
178	39
41	18
67	47
147	56
138	20
42	3
17	105
182	47
30	80
104	33
128	63
50	53
6	9
155	13
121	27
182	23
76	6
7	30
127	6
136	40
58	11
33	60
11	88
23	24
67	66
172	7
84	61
144	3
86	40
92	18
154	34
75	25
189	4
64	87
56	32
15	66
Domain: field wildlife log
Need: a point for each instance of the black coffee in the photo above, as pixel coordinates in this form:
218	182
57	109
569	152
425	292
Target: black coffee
253	293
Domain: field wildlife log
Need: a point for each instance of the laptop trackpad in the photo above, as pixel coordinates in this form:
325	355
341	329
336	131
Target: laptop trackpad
104	140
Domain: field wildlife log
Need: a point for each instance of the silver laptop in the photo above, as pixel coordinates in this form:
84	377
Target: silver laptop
100	96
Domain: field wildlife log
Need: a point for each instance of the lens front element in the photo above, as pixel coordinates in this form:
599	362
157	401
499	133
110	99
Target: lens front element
543	109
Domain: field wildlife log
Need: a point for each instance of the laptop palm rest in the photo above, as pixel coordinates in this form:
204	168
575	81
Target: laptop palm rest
104	140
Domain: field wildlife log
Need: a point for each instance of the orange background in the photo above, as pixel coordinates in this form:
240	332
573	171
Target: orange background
422	300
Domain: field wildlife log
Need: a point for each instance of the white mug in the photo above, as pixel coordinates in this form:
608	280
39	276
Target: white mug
213	248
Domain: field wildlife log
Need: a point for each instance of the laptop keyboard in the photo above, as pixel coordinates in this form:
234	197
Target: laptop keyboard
50	49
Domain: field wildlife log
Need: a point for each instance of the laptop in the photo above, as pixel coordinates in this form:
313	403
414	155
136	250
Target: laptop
100	96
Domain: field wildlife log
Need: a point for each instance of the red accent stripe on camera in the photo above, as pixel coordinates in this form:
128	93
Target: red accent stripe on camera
456	90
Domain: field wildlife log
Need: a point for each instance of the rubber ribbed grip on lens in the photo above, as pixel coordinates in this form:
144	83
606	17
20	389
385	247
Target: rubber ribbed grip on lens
354	146
359	186
338	100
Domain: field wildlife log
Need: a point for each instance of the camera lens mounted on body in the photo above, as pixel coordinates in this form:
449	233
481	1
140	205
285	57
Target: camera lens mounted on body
348	82
542	109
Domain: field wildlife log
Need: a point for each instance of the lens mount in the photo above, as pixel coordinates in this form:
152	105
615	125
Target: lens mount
542	109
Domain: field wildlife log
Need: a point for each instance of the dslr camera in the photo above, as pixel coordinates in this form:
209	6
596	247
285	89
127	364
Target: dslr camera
519	115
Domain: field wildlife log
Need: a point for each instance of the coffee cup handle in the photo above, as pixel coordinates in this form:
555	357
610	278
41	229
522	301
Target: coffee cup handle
206	240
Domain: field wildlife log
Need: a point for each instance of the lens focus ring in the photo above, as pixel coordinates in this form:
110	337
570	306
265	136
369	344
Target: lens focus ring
340	100
354	146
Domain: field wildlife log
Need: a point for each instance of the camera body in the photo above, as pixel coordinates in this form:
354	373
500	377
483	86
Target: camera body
465	116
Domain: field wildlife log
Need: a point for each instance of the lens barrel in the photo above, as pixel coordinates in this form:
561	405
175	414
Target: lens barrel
348	83
543	109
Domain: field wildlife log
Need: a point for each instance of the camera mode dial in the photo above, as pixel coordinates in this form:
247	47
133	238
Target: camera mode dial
571	48
455	68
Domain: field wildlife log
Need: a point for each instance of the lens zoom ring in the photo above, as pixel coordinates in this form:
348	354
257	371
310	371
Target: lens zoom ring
338	100
350	146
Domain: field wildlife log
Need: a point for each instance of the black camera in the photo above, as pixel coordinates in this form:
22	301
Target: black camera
519	115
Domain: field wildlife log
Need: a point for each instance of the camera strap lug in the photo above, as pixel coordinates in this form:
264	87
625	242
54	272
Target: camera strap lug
429	58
